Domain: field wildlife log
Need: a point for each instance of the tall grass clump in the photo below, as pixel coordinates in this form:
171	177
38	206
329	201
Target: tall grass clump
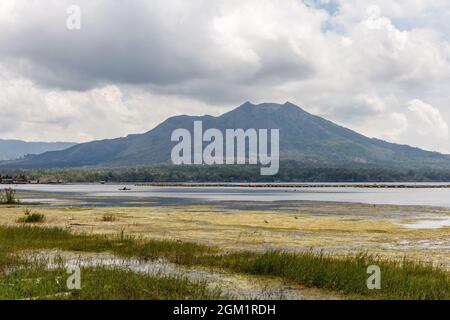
109	218
31	217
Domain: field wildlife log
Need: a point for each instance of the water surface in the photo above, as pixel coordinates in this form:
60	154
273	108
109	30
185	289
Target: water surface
439	197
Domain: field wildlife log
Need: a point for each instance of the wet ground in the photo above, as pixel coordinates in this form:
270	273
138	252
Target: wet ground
231	285
418	232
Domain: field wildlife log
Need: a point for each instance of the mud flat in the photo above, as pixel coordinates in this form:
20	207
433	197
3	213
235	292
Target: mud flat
207	251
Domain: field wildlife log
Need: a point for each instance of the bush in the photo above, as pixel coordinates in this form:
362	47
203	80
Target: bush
8	196
109	218
31	217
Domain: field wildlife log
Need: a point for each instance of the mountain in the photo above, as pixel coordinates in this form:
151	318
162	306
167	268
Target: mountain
14	149
304	138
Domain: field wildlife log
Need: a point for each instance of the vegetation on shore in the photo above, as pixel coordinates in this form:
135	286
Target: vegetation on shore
400	280
8	196
101	283
23	279
290	171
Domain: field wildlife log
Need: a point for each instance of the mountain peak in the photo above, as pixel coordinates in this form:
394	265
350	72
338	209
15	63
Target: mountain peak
287	104
247	104
290	104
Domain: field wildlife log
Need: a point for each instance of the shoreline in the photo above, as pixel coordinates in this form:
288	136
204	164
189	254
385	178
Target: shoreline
269	185
393	185
110	195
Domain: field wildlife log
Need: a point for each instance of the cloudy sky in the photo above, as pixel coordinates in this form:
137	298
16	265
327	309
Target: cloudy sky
381	67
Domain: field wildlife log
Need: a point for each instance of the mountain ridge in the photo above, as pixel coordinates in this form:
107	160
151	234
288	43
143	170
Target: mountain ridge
11	149
304	137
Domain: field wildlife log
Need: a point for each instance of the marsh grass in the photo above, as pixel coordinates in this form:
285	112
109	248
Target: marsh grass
101	283
109	218
399	279
34	238
31	217
26	279
133	286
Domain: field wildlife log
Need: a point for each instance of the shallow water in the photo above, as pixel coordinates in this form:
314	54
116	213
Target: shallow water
439	197
434	223
234	285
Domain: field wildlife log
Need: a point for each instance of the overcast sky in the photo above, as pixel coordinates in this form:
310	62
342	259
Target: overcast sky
380	67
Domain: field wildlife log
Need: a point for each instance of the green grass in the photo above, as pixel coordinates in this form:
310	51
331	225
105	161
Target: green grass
13	239
101	283
399	279
31	217
21	279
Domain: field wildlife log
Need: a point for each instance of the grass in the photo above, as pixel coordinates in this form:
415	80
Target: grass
14	239
400	279
31	217
109	218
20	279
101	283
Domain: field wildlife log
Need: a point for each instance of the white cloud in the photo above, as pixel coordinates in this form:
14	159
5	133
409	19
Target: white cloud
32	113
432	123
356	62
389	126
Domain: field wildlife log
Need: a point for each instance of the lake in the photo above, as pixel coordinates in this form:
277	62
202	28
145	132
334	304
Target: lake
392	196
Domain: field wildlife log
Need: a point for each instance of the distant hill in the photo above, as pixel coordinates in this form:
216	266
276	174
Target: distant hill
304	138
14	149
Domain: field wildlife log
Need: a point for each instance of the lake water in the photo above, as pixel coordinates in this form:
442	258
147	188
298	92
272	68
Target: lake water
397	196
